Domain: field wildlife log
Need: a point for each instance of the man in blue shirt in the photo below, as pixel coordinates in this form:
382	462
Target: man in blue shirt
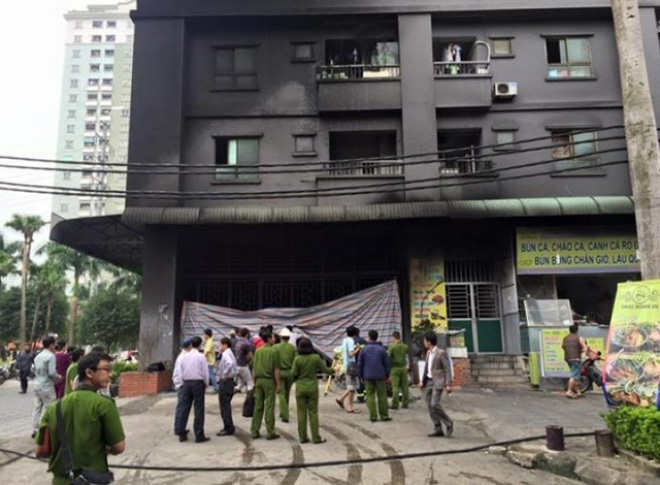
374	368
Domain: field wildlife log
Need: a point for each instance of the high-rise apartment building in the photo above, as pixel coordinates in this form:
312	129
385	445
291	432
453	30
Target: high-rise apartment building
95	107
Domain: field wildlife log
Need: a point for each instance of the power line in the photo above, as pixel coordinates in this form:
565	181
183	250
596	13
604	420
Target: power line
337	165
249	196
317	163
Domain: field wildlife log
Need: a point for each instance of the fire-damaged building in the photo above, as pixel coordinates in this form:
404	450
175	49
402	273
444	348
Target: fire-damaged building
289	153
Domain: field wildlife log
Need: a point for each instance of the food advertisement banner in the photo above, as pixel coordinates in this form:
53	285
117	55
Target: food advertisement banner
632	367
552	353
427	291
543	250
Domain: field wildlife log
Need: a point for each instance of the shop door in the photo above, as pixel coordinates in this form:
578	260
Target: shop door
475	308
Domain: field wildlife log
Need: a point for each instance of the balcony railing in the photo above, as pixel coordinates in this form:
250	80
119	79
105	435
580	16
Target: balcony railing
366	168
462	68
465	166
356	72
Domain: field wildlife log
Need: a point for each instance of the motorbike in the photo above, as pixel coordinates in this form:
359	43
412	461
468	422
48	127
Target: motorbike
590	374
5	373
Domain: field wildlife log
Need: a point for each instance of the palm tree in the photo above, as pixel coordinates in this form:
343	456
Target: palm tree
27	225
8	259
52	280
80	264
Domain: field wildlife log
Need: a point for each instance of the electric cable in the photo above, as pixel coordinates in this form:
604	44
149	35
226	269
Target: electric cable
322	464
36	189
302	164
335	165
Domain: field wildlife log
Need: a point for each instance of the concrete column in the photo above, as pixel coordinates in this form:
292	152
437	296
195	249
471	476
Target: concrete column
159	316
418	99
157	123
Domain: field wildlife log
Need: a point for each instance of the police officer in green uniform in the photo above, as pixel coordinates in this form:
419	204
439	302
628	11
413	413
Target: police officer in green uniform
91	423
397	352
286	353
266	367
305	368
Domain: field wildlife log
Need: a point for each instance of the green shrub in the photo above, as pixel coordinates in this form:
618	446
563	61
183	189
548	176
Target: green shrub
119	367
636	429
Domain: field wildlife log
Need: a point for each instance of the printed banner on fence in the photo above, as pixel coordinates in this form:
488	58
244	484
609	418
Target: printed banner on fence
632	368
377	308
552	353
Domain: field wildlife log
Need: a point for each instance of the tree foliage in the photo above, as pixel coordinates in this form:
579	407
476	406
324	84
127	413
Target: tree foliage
111	317
10	309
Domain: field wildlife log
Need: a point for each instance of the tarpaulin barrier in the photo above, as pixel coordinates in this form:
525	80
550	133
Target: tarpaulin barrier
376	308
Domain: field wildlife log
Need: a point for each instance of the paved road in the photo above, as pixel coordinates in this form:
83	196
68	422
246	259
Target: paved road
480	418
15	410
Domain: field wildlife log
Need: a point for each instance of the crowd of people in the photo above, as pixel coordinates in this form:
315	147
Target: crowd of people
268	364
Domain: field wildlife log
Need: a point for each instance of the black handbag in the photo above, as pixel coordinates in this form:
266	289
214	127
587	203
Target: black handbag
248	405
86	477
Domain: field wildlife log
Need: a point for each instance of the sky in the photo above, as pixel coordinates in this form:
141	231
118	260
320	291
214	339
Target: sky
32	37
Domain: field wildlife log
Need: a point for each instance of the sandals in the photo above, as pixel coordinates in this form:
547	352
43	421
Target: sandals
353	411
340	403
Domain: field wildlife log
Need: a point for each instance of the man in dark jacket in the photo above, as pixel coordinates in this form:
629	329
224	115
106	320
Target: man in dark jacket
24	366
374	368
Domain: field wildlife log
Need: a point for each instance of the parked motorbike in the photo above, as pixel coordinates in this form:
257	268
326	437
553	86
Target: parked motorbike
590	374
4	373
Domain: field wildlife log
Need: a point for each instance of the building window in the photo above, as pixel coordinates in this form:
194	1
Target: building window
78	25
97	24
109	53
107	82
106	112
233	153
236	68
89	141
106	96
68	145
92	96
578	146
97	38
110	38
94	67
459	152
505	140
85	207
125	113
108	68
70	129
66	175
90	126
88	157
501	46
111	24
92	82
77	39
303	52
91	112
73	98
96	53
75	69
73	83
72	113
76	54
64	207
304	145
360	59
569	57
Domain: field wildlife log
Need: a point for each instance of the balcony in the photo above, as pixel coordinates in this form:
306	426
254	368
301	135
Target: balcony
358	87
366	168
467	166
459	82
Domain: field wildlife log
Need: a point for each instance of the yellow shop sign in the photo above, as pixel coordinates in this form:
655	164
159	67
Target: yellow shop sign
544	250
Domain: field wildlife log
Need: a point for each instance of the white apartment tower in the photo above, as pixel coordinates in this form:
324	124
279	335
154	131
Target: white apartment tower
95	108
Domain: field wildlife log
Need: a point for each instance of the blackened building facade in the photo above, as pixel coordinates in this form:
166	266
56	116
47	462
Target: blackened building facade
311	149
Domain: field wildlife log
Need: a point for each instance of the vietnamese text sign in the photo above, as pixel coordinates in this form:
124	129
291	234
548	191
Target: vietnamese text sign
632	368
564	251
552	353
427	291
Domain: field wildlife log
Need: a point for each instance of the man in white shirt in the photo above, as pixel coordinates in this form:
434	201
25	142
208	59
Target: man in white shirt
45	377
436	378
227	372
177	379
195	377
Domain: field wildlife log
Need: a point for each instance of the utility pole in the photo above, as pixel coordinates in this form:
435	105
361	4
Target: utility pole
100	158
641	133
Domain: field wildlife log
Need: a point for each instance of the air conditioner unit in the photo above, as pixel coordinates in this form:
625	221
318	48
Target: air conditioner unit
505	90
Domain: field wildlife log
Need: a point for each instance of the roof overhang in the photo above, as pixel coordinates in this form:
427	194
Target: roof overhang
117	238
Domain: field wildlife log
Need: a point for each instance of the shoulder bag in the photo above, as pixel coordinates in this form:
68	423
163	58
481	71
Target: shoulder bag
86	477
